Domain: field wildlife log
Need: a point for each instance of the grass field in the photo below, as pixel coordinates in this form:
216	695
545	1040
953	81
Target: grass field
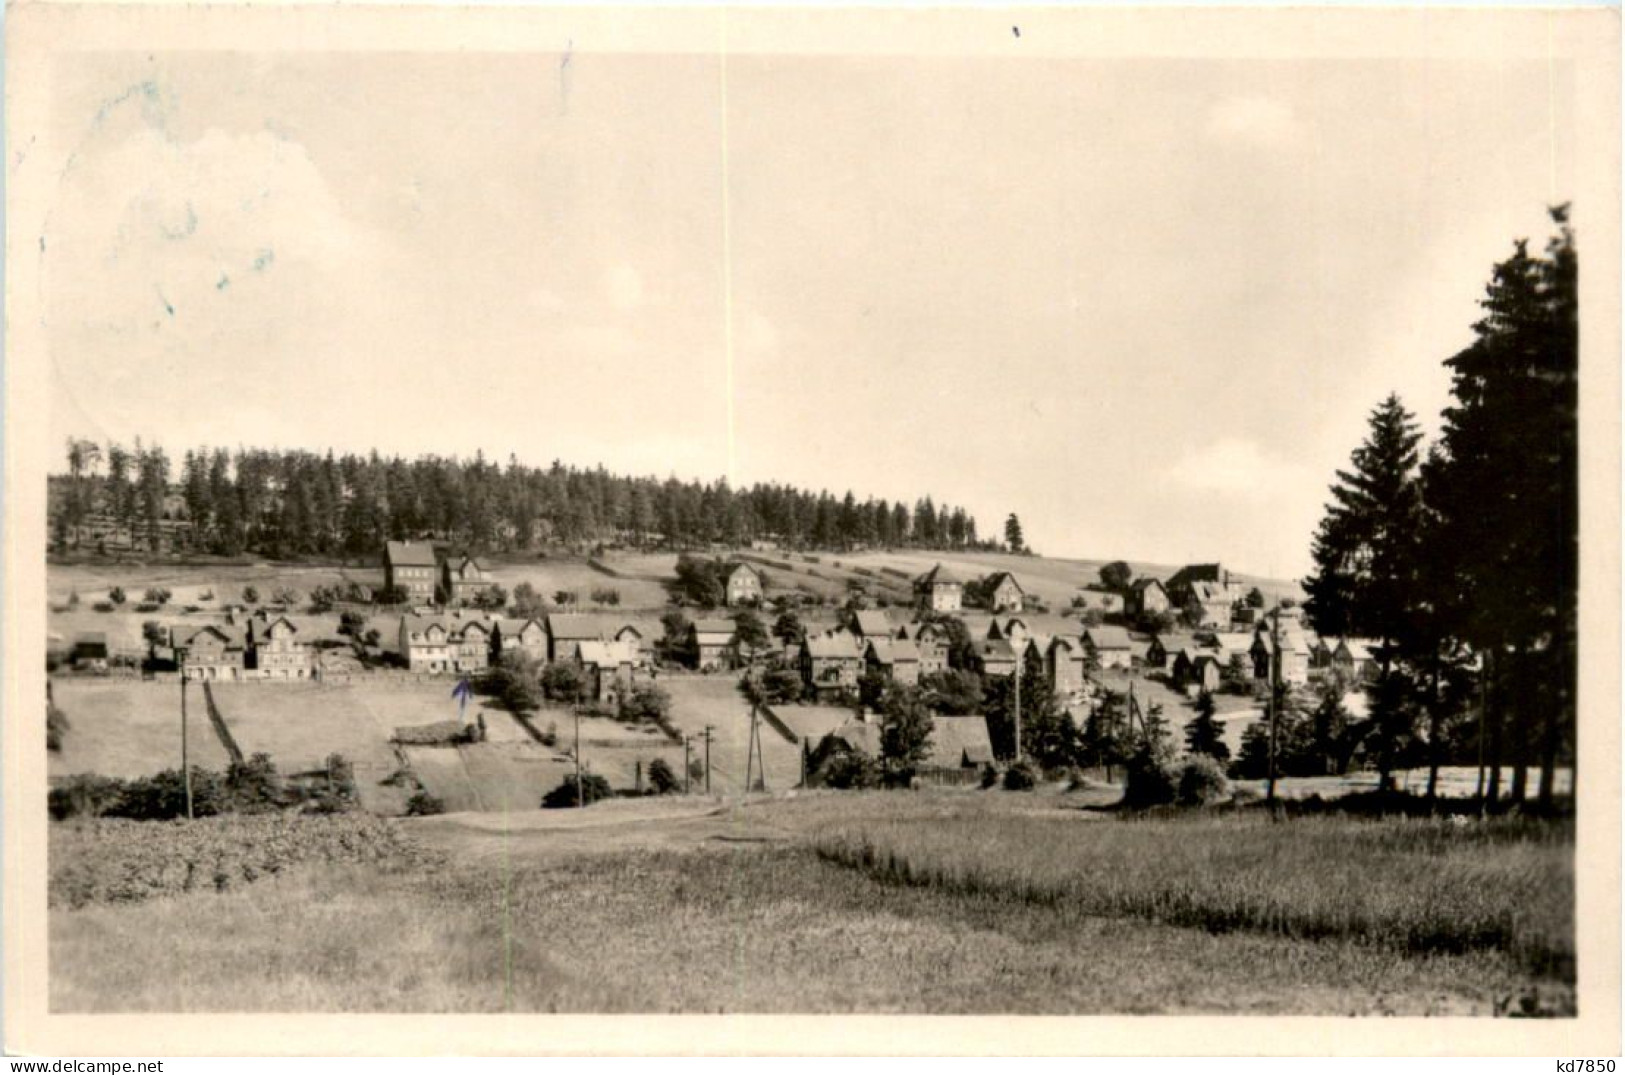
700	700
1016	904
126	728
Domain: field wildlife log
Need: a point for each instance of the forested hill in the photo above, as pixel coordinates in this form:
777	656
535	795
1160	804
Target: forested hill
281	503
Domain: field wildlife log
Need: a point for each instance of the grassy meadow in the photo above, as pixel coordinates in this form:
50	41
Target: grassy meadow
951	902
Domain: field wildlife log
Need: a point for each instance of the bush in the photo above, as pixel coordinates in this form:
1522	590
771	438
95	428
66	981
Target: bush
422	804
848	769
594	787
163	797
84	795
103	606
116	595
1201	781
1020	777
254	786
661	779
563	682
990	776
157	595
1149	779
146	606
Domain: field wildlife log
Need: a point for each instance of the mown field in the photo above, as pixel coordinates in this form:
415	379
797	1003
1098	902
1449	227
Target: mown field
127	728
945	902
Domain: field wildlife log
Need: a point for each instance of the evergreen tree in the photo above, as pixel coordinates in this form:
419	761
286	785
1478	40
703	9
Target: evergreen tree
1012	534
1204	734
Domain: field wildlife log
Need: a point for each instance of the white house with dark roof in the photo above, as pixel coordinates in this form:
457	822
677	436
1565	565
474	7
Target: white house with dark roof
940	590
1109	646
742	586
1004	593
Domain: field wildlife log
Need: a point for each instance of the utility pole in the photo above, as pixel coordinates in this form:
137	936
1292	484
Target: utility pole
1019	670
186	767
581	792
708	759
1275	688
688	773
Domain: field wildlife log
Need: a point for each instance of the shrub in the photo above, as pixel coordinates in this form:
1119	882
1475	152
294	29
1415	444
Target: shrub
254	786
661	779
593	788
848	769
1150	778
990	776
146	606
163	797
563	682
1201	781
1020	777
103	606
251	595
422	804
84	795
116	595
157	595
206	595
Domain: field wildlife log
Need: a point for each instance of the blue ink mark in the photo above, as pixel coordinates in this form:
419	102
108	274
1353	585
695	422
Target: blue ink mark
167	307
263	259
224	282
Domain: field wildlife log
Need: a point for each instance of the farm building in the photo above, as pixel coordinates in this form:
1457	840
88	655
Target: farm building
462	579
90	652
743	586
1109	646
939	590
713	644
275	650
208	652
1064	661
957	750
831	662
1004	593
895	658
524	635
1146	596
411	568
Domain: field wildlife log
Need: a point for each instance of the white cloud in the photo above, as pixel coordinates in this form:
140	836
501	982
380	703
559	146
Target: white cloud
1259	120
1234	467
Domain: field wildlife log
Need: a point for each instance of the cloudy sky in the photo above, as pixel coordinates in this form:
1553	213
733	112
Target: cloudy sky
1145	304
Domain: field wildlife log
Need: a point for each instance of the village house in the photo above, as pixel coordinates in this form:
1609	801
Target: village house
995	657
895	658
462	579
871	623
958	749
610	669
411	567
1004	593
1295	655
567	630
425	643
470	642
1146	597
1209	586
90	652
713	644
932	643
1109	647
208	652
831	663
527	636
1197	669
743	586
275	650
1354	658
1064	662
1164	647
939	590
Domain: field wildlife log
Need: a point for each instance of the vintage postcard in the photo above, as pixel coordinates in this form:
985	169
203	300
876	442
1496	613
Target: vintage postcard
1063	530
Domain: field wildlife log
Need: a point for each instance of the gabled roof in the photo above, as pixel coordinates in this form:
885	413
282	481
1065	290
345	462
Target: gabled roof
956	741
714	627
90	644
578	626
893	650
461	559
409	554
998	578
1173	641
1107	637
996	650
810	723
939	576
1192	573
872	622
736	568
260	629
995	629
1359	649
1141	585
1233	641
513	626
186	636
606	653
864	738
919	632
1068	642
833	646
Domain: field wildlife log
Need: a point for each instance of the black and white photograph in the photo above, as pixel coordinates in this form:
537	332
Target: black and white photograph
737	512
